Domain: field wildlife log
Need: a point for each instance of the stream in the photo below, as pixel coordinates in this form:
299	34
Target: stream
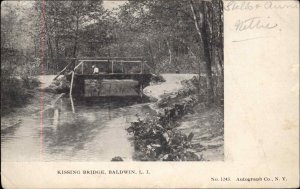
95	132
90	131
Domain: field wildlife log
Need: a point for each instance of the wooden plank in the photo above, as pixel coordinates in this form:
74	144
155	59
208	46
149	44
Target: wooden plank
78	65
116	57
62	71
94	60
124	61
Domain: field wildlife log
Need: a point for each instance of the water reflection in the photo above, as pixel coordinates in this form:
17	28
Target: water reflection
95	132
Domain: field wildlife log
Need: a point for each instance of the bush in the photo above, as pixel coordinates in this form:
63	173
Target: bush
60	85
15	92
156	139
29	82
184	63
117	158
157	79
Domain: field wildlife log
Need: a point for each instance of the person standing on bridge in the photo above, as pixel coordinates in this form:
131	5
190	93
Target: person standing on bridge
95	70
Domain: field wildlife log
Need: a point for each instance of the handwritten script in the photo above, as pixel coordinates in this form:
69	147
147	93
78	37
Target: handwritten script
251	6
260	16
254	23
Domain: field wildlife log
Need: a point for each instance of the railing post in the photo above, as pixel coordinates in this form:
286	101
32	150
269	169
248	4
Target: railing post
82	68
112	66
70	95
72	104
71	86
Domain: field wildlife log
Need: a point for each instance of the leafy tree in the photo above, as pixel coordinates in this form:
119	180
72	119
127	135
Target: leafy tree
173	35
183	35
67	23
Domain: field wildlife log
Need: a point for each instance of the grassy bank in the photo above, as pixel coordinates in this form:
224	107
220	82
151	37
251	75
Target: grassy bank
161	138
16	91
207	125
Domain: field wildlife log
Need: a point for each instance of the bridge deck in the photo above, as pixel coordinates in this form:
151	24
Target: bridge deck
121	77
84	83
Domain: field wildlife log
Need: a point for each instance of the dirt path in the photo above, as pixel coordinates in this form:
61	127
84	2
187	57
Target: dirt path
172	84
45	80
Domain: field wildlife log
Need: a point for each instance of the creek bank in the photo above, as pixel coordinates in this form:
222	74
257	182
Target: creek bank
60	85
27	96
16	92
156	137
207	125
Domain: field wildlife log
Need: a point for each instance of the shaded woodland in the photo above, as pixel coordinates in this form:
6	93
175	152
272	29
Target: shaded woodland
184	36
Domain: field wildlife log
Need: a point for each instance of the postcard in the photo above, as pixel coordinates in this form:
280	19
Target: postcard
150	94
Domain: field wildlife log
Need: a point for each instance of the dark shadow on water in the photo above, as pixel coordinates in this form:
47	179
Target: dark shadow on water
110	102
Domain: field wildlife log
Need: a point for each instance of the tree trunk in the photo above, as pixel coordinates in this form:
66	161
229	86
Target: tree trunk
56	33
151	54
204	45
199	34
206	48
220	57
51	54
170	52
75	47
50	47
56	47
75	42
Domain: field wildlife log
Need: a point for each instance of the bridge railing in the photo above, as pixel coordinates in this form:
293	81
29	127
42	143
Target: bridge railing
116	65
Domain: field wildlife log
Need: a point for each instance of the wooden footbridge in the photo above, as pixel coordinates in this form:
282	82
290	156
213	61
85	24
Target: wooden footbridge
116	77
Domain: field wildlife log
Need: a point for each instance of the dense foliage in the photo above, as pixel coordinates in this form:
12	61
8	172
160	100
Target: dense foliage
184	36
156	136
15	92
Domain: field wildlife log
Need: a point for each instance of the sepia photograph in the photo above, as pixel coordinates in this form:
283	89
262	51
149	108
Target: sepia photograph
112	81
136	94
